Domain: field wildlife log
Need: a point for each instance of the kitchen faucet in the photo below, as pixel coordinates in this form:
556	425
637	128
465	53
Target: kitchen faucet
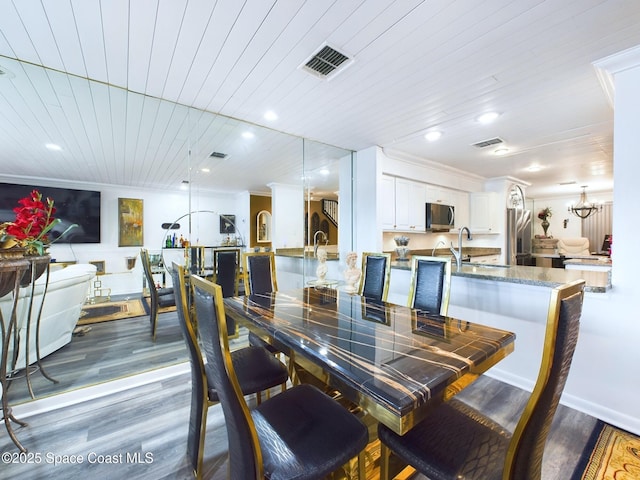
440	242
458	253
315	241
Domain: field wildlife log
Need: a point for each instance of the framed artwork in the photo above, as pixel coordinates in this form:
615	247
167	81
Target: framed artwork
130	224
100	268
227	223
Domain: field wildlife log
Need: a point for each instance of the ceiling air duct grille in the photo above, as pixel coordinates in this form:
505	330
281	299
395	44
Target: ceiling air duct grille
327	62
488	143
218	155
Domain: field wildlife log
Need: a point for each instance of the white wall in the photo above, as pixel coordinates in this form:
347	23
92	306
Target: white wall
159	207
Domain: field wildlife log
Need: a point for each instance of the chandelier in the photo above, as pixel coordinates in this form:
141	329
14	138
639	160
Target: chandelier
584	208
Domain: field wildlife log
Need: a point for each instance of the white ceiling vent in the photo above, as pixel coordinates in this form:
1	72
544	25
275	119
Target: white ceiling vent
488	143
327	62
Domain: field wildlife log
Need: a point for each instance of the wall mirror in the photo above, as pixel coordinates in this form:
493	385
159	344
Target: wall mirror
148	142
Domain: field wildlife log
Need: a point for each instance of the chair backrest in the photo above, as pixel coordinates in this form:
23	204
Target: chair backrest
198	377
259	272
430	284
573	246
245	457
524	457
226	265
376	270
146	267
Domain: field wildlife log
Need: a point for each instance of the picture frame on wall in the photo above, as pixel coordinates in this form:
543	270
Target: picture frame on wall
227	223
130	222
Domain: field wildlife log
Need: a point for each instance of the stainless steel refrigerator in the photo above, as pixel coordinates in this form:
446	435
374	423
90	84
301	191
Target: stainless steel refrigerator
519	237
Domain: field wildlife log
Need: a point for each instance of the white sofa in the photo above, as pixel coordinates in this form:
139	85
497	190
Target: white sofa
66	293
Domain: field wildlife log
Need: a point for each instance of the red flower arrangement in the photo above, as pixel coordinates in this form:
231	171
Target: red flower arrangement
544	214
34	220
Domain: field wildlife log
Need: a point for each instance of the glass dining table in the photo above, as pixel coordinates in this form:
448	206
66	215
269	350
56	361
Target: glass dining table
395	362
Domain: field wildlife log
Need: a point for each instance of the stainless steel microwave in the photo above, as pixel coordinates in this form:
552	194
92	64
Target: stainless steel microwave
440	218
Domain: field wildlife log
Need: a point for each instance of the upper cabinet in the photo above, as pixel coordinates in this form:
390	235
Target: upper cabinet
410	205
485	212
402	204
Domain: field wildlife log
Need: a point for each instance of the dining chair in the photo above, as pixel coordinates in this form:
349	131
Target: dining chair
456	441
300	433
376	271
158	297
430	284
257	371
226	269
259	273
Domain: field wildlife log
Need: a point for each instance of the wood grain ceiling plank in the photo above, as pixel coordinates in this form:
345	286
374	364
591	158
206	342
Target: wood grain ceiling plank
279	66
224	17
250	62
118	111
189	42
37	25
243	30
16	35
63	26
142	18
90	33
115	24
168	26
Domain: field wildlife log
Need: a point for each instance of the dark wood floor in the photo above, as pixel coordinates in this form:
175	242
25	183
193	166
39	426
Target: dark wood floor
149	422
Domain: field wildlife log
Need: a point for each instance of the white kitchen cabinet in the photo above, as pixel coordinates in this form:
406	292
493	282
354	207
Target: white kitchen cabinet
460	200
402	205
387	200
440	195
484	214
410	206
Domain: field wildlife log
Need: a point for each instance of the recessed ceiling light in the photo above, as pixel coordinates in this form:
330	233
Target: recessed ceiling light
270	115
501	151
53	146
487	117
205	170
248	135
433	136
324	171
534	168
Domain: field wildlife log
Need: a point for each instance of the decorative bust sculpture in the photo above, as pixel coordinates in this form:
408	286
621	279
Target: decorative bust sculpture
352	273
321	270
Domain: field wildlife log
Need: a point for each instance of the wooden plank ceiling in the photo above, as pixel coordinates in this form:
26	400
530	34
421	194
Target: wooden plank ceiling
139	93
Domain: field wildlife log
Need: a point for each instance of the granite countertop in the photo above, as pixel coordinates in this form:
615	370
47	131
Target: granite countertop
300	253
599	261
596	281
